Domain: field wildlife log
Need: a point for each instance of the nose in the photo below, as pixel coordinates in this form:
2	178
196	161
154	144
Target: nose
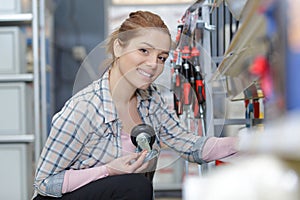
152	60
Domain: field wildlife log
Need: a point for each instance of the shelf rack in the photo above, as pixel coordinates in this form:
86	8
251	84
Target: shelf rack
232	46
245	46
19	18
22	150
16	77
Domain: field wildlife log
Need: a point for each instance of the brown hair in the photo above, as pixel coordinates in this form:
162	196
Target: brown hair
129	28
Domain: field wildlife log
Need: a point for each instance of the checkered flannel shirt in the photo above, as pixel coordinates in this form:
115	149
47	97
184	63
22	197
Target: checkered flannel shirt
86	133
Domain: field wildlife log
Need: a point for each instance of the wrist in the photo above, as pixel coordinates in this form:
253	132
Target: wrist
104	171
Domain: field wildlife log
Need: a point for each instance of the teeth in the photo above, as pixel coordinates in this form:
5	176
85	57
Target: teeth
145	73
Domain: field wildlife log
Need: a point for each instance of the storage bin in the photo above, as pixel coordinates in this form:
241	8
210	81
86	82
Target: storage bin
16	106
14	6
16	171
12	50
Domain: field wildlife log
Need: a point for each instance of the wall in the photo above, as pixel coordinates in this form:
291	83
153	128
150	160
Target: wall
77	23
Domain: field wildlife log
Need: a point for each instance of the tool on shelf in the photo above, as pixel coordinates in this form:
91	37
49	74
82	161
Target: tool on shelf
187	74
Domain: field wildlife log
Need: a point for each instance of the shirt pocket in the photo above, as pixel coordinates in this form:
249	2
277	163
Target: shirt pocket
100	147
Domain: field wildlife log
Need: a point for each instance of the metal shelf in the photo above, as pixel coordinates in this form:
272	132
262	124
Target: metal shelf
35	20
23	146
16	78
167	186
16	138
13	19
245	46
237	121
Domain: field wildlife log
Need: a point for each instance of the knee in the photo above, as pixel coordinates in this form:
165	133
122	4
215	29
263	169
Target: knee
142	182
139	187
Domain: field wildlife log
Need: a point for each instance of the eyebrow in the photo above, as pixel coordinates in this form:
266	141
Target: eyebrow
150	45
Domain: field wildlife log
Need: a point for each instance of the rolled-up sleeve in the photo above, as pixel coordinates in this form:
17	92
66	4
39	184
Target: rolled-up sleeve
173	132
197	150
191	146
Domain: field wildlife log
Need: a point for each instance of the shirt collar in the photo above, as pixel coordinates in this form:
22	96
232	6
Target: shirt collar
110	111
109	108
144	94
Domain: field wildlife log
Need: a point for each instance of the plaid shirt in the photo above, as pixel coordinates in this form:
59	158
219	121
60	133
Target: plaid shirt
87	133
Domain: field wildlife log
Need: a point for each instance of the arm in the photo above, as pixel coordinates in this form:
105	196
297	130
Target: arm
69	130
74	179
204	149
218	148
192	147
174	134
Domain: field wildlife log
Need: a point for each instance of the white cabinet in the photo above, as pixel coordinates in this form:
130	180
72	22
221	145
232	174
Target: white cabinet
20	98
16	171
12	50
13	6
16	105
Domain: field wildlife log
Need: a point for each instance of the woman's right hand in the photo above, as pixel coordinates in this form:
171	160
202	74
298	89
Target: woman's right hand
132	163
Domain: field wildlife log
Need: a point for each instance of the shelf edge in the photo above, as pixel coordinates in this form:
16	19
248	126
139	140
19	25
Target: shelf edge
16	78
16	138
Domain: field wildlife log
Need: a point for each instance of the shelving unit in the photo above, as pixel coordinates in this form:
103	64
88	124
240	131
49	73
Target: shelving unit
19	18
245	46
16	78
277	21
233	46
22	99
229	51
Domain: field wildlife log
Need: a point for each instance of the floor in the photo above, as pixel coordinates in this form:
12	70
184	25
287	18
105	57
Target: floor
168	195
168	198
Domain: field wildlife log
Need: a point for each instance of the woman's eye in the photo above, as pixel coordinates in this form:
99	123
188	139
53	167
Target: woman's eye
162	59
145	51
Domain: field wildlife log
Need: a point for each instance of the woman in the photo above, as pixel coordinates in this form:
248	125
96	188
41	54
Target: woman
88	154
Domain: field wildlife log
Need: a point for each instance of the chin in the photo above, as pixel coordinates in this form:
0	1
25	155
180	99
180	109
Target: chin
144	86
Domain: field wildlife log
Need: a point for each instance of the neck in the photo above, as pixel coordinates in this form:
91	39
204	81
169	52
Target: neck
121	90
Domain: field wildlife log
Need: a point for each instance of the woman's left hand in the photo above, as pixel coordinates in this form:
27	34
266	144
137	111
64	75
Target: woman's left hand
147	166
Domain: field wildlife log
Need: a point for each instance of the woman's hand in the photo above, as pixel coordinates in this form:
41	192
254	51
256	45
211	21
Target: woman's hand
132	163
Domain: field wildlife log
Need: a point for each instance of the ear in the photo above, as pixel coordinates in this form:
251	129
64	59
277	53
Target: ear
117	48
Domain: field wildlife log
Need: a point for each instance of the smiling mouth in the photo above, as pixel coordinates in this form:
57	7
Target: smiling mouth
145	73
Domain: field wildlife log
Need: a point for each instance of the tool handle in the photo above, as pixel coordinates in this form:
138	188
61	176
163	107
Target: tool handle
187	93
200	91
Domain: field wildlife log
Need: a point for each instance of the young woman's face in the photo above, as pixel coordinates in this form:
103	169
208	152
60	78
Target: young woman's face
142	60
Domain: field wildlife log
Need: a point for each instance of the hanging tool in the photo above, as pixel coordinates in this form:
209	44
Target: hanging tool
177	83
187	75
199	82
187	89
187	79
